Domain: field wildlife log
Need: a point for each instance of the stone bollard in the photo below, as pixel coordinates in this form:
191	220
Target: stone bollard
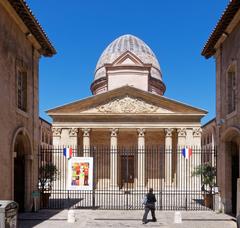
177	217
71	216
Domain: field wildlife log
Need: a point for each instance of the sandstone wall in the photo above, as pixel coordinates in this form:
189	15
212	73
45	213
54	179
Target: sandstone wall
15	49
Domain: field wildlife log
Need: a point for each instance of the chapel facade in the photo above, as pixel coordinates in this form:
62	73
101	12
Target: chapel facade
128	109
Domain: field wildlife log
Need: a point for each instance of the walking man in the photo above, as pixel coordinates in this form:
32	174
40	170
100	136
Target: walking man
149	206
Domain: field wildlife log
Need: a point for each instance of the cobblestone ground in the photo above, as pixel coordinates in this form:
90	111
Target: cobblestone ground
132	218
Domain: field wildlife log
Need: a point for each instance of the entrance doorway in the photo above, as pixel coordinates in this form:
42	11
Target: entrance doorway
127	169
22	171
19	181
235	175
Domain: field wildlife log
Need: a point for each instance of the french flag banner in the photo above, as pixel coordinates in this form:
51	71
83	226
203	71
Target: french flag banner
187	152
67	152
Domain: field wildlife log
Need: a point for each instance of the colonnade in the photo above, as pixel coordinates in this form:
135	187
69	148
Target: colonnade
185	136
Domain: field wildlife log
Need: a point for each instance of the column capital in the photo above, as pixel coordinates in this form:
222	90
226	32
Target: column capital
197	132
141	132
181	132
114	132
168	132
86	132
73	132
57	131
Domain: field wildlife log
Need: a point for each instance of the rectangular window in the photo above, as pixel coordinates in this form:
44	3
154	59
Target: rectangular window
22	90
42	137
232	91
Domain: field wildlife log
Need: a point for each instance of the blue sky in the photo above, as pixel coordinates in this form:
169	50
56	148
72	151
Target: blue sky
175	30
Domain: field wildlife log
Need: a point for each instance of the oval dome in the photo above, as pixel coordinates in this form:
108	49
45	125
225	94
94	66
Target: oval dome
132	44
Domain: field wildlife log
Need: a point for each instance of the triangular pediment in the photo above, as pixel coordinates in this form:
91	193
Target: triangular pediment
127	59
126	101
127	105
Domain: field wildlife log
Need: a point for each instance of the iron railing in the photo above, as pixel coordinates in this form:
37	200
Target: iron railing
122	176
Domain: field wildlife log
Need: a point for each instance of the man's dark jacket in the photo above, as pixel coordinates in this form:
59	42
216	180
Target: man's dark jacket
151	199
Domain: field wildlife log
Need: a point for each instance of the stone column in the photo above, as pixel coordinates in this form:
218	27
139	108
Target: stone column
73	132
113	159
86	142
168	155
196	159
180	159
197	137
141	158
181	137
56	132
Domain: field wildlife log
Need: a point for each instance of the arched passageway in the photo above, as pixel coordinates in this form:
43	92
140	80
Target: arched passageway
22	170
231	141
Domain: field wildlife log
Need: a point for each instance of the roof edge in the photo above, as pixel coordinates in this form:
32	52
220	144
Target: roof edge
28	18
226	18
127	89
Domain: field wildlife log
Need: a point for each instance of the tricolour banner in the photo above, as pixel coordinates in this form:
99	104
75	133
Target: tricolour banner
187	152
67	152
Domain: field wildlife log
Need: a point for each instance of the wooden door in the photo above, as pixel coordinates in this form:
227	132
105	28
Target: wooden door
127	169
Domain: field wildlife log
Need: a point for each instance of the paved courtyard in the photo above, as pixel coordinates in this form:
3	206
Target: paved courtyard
131	218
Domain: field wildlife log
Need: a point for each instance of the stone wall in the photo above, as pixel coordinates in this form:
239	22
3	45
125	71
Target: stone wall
15	49
228	126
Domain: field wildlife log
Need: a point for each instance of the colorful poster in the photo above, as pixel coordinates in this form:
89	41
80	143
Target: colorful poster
80	173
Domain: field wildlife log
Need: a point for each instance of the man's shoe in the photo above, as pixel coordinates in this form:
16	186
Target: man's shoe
154	220
144	222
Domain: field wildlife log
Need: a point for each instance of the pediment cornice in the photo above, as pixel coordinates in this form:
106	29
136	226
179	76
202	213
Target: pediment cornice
126	100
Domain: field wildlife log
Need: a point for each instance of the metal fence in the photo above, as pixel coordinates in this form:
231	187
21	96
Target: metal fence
122	176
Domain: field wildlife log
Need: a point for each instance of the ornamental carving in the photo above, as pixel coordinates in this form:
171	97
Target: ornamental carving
73	132
181	132
168	132
127	105
56	132
197	132
86	132
114	132
141	132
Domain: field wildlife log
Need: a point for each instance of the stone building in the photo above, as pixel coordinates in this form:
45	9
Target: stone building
128	110
208	142
209	134
22	43
45	133
224	46
45	139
